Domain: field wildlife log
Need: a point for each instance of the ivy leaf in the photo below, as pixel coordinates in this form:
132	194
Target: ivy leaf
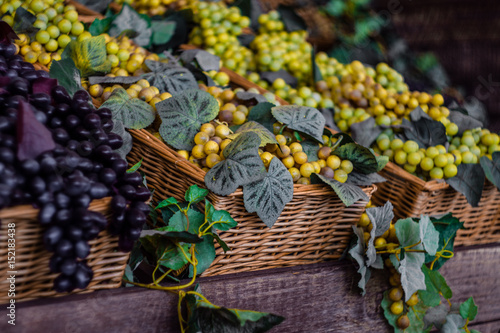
126	147
261	113
183	114
173	258
222	244
304	119
469	181
169	78
132	112
89	56
359	179
491	168
129	19
357	252
362	158
135	167
380	218
434	284
464	122
468	309
175	236
179	222
454	324
270	77
223	219
291	19
162	31
349	194
269	195
205	60
408	233
365	132
113	80
195	194
23	22
447	227
167	202
425	132
99	26
316	73
242	166
428	235
67	75
436	316
250	97
205	254
311	149
251	126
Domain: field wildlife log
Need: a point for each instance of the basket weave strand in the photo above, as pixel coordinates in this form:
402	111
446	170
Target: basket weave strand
412	197
313	227
33	277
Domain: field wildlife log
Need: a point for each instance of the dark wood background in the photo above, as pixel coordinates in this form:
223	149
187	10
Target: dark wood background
313	298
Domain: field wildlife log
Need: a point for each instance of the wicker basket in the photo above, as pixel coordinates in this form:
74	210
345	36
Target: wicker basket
412	196
33	277
315	226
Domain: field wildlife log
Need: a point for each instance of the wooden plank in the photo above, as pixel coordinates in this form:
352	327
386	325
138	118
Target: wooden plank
313	298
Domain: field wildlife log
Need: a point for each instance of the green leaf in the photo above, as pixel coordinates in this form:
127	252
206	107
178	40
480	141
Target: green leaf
251	126
222	244
132	112
447	227
382	161
428	235
162	31
359	179
491	168
316	73
246	96
23	22
173	258
205	60
380	218
205	254
291	19
365	132
418	113
454	324
464	122
436	316
180	223
468	309
113	80
126	147
195	194
129	19
311	149
223	219
469	181
135	167
67	75
167	202
415	314
169	77
342	138
408	233
261	113
362	158
435	284
349	194
304	119
242	166
269	195
177	236
100	26
425	132
357	252
89	56
182	116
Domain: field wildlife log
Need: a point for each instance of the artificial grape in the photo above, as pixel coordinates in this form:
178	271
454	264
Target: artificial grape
114	141
68	267
54	263
132	178
128	191
98	191
120	166
142	194
82	201
52	236
63	284
82	249
81	278
74	233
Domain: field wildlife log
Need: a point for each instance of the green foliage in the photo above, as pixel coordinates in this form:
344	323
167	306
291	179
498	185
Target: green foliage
261	113
381	218
365	132
361	157
134	113
311	149
129	19
126	147
357	252
469	181
23	22
428	235
162	32
263	133
492	168
135	167
447	226
435	287
67	75
89	56
468	309
349	194
425	132
170	78
303	119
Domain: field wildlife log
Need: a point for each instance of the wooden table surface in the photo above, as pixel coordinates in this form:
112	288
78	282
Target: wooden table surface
313	298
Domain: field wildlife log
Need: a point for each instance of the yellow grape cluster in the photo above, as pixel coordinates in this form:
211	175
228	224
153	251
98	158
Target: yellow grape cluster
152	7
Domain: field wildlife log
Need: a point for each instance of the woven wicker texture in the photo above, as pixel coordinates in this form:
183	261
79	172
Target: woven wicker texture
33	277
412	197
315	226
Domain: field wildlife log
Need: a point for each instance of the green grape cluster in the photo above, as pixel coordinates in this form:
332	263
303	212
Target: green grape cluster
57	23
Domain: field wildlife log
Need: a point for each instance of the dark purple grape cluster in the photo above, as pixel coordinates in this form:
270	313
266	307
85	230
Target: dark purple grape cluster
76	163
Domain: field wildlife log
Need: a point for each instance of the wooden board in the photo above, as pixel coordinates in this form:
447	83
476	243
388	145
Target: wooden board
313	298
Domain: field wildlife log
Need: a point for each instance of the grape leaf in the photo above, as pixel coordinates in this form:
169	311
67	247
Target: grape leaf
205	254
357	252
242	166
454	324
169	77
89	56
195	194
205	60
270	77
408	233
304	119
468	309
33	138
269	195
67	75
447	227
428	235
435	284
342	138
380	218
382	161
491	168
311	149
167	202
223	220
251	126
162	31
180	223
126	147
174	236
23	22
436	316
113	80
415	314
425	132
349	194
469	181
132	112
362	158
365	132
100	26
291	19
250	97
222	244
261	113
359	179
183	114
129	19
464	122
173	258
418	113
